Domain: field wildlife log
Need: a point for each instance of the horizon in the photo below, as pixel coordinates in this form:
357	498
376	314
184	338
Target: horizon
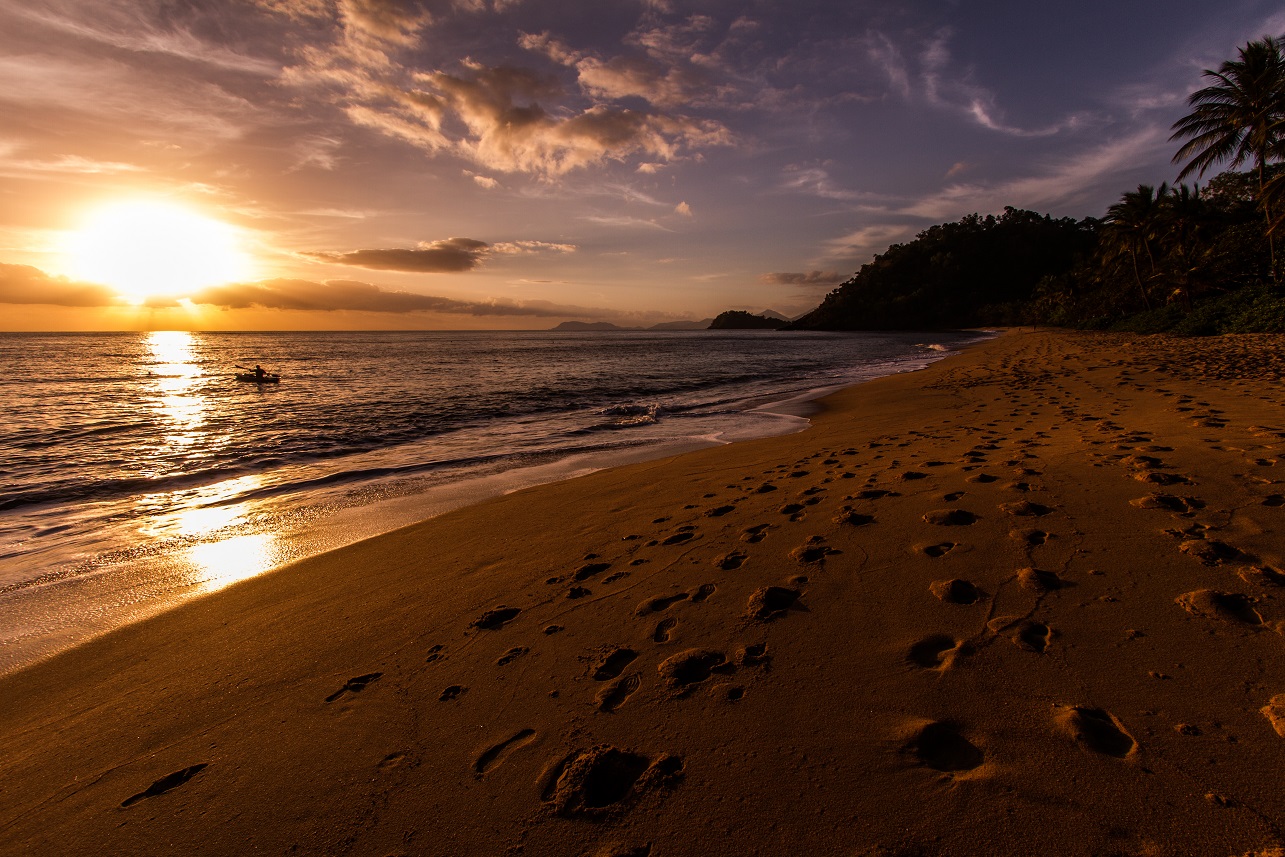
387	165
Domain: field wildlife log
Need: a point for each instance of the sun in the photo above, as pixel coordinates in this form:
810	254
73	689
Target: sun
148	248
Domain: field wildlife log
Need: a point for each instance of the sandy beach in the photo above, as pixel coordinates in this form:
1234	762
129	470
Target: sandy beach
1025	601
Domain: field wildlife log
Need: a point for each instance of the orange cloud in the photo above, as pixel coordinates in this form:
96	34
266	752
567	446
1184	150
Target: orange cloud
23	284
438	257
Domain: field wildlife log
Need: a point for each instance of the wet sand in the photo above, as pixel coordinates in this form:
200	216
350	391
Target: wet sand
1026	601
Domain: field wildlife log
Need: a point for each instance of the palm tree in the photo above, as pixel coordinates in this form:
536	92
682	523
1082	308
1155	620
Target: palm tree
1132	224
1181	218
1238	117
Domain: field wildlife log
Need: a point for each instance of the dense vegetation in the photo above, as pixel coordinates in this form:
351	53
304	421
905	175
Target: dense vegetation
1182	259
736	319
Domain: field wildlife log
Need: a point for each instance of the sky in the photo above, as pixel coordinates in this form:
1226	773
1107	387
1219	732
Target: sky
512	164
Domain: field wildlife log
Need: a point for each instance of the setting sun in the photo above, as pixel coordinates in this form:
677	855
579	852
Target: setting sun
146	248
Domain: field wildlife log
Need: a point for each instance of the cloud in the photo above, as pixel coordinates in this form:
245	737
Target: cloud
1060	183
133	27
683	209
811	278
23	284
482	181
625	221
525	247
437	257
501	117
340	295
815	181
453	255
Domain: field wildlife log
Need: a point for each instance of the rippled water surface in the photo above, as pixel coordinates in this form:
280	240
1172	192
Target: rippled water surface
117	448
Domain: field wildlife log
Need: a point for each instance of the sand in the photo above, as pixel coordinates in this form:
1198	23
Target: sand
1026	601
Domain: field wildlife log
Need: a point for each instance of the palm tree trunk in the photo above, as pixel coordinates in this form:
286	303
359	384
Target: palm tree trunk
1267	219
1142	290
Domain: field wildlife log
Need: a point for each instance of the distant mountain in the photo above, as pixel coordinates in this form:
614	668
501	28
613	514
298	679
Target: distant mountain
683	325
590	325
771	313
737	319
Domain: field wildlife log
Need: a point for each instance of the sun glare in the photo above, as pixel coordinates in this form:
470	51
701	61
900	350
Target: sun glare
147	248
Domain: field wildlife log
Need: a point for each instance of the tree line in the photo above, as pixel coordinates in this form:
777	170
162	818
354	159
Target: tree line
1164	257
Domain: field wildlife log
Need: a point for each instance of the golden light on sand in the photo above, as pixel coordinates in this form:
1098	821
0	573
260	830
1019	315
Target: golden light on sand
147	248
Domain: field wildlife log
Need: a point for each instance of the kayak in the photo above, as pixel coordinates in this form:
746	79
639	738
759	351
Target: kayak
255	379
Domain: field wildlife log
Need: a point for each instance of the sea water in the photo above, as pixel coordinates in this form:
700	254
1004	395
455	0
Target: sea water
135	470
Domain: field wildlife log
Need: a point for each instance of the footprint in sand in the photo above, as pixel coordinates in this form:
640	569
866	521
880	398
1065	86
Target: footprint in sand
934	653
169	782
495	755
719	511
1038	580
1262	576
940	549
687	669
1210	551
772	602
354	685
854	519
1097	730
940	746
455	691
814	551
587	571
982	478
704	591
731	561
435	653
1026	509
679	538
495	619
950	518
511	655
664	630
874	494
1156	478
755	534
616	694
752	655
601	781
1185	506
660	603
613	663
955	591
1033	538
1023	632
1227	606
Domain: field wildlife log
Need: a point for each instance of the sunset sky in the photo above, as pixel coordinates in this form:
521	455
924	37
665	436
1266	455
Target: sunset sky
336	164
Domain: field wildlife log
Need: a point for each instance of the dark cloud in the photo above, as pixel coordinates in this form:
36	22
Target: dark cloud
437	257
811	278
23	284
335	295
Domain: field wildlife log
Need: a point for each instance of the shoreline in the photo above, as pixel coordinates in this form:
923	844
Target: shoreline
164	573
1041	576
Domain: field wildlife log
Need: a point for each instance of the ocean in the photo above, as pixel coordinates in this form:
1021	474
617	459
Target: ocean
136	471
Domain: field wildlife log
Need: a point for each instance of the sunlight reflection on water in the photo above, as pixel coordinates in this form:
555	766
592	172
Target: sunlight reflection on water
223	563
176	374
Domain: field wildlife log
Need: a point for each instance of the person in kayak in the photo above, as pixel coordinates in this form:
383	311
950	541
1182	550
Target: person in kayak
258	372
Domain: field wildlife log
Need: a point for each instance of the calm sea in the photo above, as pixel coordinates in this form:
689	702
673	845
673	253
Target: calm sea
135	469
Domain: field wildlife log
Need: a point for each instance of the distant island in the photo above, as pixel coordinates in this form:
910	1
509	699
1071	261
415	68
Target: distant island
584	326
738	319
